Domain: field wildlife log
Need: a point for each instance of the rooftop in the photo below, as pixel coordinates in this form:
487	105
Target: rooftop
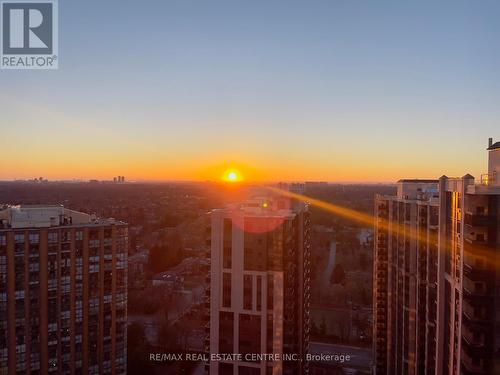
415	189
45	216
267	207
494	146
418	181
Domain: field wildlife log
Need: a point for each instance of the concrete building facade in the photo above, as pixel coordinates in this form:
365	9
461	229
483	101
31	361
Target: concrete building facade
259	287
437	276
63	292
405	278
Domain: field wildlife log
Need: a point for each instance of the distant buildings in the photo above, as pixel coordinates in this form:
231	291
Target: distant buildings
63	292
311	185
36	180
405	278
437	276
293	187
259	287
137	264
119	179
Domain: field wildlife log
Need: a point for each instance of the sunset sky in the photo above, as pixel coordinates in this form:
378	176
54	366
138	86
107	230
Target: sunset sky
358	91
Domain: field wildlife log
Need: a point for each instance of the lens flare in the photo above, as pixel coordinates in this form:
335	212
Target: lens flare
384	224
232	175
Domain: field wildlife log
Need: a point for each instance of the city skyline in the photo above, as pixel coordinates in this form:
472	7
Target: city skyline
250	188
434	302
325	91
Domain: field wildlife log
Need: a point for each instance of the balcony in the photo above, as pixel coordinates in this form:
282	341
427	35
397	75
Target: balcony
476	220
475	319
479	245
472	363
474	288
474	273
474	338
488	179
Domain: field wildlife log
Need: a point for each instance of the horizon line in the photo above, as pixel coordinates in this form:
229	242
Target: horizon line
213	181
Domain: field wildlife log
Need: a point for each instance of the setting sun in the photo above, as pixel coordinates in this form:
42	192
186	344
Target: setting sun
232	175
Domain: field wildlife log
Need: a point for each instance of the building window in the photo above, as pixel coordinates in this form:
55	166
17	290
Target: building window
227	243
226	289
247	292
226	332
256	241
270	333
34	238
227	256
270	292
226	368
95	243
249	330
66	236
259	293
19	238
53	237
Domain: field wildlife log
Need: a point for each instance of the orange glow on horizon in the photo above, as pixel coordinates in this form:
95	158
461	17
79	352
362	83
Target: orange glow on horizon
232	175
63	163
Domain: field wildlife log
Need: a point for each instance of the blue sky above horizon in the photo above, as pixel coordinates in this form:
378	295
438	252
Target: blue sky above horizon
325	90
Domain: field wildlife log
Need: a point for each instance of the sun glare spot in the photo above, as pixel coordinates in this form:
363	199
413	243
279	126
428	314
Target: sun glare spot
232	175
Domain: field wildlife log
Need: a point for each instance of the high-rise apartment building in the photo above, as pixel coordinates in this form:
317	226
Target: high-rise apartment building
437	276
405	271
63	292
259	287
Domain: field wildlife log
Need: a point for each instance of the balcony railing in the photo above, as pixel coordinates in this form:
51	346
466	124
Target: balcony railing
470	365
475	288
470	339
474	273
479	220
488	179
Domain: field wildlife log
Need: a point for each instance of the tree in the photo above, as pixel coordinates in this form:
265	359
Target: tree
167	336
344	325
338	275
314	329
363	262
138	353
170	220
337	295
167	254
135	334
322	326
365	297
